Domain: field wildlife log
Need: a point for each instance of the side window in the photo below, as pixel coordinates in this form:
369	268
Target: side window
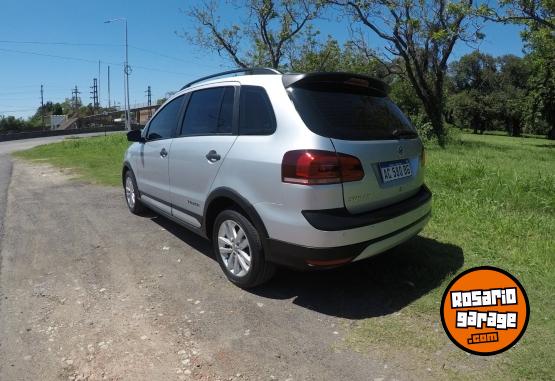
210	111
256	116
163	125
225	119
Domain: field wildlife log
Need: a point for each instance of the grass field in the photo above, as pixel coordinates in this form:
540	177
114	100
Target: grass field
494	198
494	204
96	159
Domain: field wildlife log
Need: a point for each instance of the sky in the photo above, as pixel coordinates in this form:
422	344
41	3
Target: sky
59	44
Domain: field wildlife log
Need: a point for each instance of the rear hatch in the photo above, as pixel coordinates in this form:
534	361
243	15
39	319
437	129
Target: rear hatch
356	114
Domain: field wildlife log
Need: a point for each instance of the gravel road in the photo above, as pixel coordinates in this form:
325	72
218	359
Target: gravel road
89	292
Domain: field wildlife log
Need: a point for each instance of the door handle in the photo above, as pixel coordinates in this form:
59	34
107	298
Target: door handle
213	156
163	153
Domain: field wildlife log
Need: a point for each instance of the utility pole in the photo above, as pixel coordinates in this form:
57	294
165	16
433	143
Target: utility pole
42	105
149	100
126	73
109	102
98	85
148	96
94	93
75	96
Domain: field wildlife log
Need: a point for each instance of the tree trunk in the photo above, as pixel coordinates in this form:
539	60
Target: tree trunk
474	124
436	119
516	130
435	114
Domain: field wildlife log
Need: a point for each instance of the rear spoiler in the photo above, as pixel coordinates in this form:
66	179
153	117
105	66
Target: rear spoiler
322	78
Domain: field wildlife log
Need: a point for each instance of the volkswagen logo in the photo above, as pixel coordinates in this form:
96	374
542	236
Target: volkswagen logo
400	150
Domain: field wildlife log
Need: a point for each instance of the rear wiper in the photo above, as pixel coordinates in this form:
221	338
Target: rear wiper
404	134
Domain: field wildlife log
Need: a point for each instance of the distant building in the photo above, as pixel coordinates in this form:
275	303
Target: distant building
56	121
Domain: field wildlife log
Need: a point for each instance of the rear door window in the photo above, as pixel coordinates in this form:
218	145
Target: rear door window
164	123
210	111
346	113
256	116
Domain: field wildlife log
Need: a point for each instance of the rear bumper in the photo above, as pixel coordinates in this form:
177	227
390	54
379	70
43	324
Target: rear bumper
341	219
284	222
302	257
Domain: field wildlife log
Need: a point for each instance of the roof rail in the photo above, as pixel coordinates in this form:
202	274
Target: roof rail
249	70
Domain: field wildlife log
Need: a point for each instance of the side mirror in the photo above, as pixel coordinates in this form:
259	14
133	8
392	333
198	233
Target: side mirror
135	136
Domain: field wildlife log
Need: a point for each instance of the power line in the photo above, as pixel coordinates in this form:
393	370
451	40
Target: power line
18	92
63	43
158	70
166	56
89	61
2	99
58	43
48	55
18	110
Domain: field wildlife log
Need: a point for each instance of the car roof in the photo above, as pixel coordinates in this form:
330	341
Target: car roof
254	79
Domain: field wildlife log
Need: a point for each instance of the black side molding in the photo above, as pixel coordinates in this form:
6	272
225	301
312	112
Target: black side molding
185	211
341	219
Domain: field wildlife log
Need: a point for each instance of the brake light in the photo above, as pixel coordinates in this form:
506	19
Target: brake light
312	167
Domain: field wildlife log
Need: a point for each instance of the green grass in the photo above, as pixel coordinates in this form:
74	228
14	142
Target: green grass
494	198
96	159
494	204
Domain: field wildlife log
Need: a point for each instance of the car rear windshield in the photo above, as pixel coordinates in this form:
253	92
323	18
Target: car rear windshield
348	113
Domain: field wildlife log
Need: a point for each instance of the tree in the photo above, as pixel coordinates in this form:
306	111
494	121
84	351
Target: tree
403	94
330	56
422	34
472	82
541	99
539	12
512	81
270	31
538	16
162	100
12	124
489	93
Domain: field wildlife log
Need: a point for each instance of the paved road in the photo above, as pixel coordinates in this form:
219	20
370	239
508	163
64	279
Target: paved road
17	145
89	291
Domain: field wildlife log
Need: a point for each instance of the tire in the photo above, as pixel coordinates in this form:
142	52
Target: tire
232	223
131	193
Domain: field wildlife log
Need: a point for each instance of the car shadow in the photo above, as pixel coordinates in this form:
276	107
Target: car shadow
377	286
197	242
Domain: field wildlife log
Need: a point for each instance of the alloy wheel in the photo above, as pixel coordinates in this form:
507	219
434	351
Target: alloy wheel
234	248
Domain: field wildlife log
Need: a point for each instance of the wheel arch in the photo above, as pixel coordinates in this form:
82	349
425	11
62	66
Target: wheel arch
223	198
126	167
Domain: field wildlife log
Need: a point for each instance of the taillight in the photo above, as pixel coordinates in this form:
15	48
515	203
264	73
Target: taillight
313	167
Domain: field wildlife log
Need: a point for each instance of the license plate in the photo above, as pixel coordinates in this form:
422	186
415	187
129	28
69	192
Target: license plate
395	170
